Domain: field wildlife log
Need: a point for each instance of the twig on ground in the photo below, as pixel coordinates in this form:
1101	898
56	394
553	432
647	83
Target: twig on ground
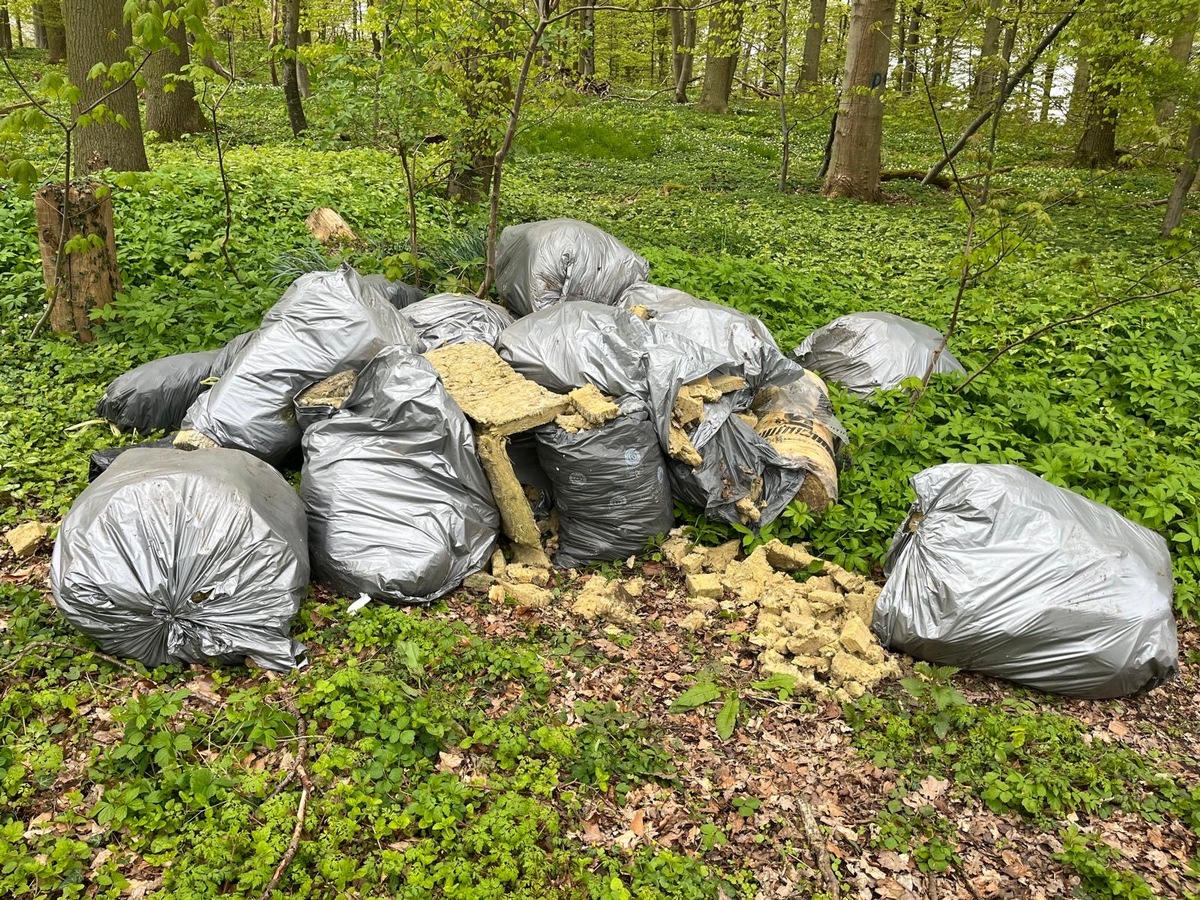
298	770
816	843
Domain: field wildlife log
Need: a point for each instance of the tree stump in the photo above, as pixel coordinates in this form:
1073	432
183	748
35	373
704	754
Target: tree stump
80	265
329	228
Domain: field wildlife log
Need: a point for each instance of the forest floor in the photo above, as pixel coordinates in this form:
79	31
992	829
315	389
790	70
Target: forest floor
474	750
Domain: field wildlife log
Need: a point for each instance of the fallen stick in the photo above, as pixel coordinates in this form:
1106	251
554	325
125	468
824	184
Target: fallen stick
816	843
305	789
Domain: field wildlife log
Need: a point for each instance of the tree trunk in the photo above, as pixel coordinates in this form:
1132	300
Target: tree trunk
857	143
1080	85
98	33
303	39
720	65
20	30
171	108
810	72
56	35
39	28
910	50
273	42
1048	88
5	29
687	54
676	16
84	279
1097	147
1183	184
291	80
376	45
939	49
587	46
986	71
1181	52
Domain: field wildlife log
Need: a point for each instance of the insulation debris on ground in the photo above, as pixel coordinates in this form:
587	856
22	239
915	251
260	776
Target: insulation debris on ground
26	538
817	630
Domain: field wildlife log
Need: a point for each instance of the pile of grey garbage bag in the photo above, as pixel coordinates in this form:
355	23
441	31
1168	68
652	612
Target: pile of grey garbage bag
174	556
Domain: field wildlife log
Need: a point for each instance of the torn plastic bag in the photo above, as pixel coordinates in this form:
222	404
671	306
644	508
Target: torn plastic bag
610	486
730	332
156	396
457	319
540	263
397	293
865	352
998	571
227	354
797	419
574	344
100	460
173	557
399	508
324	323
742	479
523	454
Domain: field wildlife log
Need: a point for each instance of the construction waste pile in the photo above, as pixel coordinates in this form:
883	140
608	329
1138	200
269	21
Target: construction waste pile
567	424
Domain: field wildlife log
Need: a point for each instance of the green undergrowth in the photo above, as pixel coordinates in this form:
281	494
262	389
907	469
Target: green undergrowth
438	767
1014	758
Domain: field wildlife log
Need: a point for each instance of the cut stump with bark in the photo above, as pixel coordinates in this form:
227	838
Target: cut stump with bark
79	262
329	228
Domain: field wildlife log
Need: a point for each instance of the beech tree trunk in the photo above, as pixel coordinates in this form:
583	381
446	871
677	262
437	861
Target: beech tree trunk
1181	52
291	78
858	136
1097	147
304	39
1080	85
1183	184
1047	88
911	45
683	50
5	29
587	46
84	279
98	33
810	71
986	71
39	28
720	64
56	35
171	107
273	42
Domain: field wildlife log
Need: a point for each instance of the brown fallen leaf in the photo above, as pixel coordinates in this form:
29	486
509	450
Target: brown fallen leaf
638	824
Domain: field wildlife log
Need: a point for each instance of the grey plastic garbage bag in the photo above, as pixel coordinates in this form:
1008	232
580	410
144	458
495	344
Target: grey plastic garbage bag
575	344
865	352
156	395
540	263
227	354
397	293
399	508
523	454
730	332
325	323
172	557
457	319
610	486
100	460
999	571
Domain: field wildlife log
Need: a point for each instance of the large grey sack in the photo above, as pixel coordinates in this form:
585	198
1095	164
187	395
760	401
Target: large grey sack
870	351
324	324
541	263
172	557
156	396
723	329
398	505
998	571
610	486
457	319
